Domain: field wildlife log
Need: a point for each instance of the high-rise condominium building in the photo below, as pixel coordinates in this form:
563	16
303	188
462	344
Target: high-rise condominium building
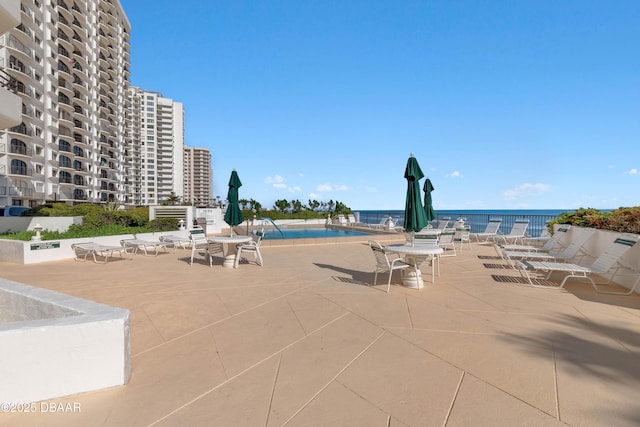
69	61
156	144
10	109
198	177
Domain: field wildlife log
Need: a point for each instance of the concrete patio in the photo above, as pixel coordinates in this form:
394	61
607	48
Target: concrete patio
305	340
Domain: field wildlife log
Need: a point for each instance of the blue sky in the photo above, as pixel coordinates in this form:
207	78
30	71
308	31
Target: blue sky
530	104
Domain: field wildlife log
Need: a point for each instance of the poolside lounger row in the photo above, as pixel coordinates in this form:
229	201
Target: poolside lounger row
533	265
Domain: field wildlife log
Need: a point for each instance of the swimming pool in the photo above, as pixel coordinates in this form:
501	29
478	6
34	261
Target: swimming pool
309	233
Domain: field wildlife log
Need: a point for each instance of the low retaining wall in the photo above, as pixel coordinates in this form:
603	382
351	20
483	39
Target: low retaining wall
54	345
32	252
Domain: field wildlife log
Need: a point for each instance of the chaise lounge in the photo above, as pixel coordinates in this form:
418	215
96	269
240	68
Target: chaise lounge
96	250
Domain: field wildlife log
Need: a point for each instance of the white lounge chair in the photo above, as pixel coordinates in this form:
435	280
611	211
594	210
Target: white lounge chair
341	220
442	223
606	262
493	226
96	250
252	247
548	245
568	254
384	263
517	232
146	246
382	224
176	241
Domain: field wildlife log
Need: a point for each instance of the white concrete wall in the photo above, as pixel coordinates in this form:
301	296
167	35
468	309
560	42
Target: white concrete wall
20	252
51	223
82	346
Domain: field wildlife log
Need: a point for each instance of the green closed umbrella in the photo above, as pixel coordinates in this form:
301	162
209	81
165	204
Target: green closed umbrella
415	218
428	204
233	216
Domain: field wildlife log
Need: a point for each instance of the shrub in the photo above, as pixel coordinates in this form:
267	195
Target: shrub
98	221
624	220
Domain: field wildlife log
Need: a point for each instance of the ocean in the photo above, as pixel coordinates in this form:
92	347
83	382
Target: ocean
477	219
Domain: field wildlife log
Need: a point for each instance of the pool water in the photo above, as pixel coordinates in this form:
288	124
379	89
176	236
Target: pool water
306	233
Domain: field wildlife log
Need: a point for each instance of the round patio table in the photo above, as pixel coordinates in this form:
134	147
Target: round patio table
415	255
229	247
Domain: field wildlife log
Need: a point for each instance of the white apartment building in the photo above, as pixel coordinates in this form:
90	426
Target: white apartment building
69	61
10	104
156	145
198	189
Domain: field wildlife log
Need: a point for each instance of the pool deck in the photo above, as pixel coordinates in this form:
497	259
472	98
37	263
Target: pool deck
306	340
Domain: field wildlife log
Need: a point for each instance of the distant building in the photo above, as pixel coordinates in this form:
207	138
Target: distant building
156	147
198	181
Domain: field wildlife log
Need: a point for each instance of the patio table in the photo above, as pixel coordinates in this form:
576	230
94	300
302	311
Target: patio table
415	254
229	247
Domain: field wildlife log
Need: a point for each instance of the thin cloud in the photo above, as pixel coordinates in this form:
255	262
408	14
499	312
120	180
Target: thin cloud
329	187
633	171
294	189
523	190
454	174
275	179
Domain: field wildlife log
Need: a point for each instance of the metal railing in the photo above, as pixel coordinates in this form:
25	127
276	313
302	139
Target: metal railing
477	221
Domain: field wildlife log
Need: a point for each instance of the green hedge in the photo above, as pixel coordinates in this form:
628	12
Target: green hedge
96	221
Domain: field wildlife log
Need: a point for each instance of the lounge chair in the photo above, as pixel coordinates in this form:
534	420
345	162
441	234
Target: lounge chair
341	220
146	246
568	254
492	229
442	223
382	224
96	250
176	241
517	232
384	263
607	261
252	247
548	245
539	240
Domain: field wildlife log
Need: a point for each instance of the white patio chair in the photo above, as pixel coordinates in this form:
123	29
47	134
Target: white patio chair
606	262
252	247
462	235
493	226
199	242
446	241
384	263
